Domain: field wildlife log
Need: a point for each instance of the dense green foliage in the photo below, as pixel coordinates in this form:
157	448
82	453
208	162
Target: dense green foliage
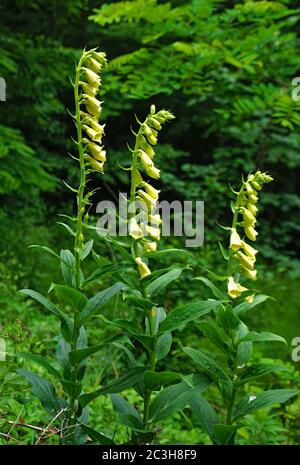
225	69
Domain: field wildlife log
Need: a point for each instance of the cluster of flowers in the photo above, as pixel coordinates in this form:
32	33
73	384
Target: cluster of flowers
91	65
244	253
146	196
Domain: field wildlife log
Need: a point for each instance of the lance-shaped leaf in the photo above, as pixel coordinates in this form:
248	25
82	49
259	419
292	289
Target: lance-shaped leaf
250	403
41	361
253	336
95	304
204	413
246	306
45	302
186	313
127	414
163	281
45	391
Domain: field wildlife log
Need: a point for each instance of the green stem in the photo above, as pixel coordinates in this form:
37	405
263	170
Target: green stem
234	224
231	406
79	228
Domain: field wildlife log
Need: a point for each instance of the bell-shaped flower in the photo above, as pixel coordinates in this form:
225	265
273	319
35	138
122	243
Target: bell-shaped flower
245	260
96	165
134	229
150	201
92	77
142	267
249	273
151	190
251	233
153	232
250	251
234	289
235	240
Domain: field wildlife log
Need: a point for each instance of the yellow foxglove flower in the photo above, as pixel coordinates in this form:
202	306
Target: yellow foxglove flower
234	289
134	229
142	267
151	190
251	233
88	89
250	251
150	246
93	105
97	151
155	219
250	273
256	185
248	217
249	298
246	260
150	201
156	124
92	77
96	165
235	240
153	172
94	65
146	147
100	56
153	232
253	198
252	208
146	160
94	135
152	139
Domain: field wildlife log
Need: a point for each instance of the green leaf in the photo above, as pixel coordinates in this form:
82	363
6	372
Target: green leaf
216	292
132	328
67	227
245	349
70	296
212	369
260	369
155	380
227	319
81	354
121	249
127	381
253	336
210	330
87	249
140	302
127	414
45	392
224	434
41	361
246	306
45	302
163	345
186	313
249	403
204	413
95	304
163	281
104	272
169	252
98	438
68	267
173	398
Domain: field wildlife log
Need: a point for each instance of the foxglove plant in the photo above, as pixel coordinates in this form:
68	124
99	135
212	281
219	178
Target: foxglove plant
227	331
69	302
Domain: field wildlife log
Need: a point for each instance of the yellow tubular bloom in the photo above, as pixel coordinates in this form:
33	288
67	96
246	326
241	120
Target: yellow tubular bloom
250	251
235	240
251	233
234	289
246	260
151	190
153	232
134	229
142	267
89	83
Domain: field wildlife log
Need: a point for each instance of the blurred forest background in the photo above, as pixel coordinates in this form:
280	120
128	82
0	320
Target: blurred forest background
225	69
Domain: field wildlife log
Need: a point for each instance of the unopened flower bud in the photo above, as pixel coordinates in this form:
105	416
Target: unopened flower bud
92	77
